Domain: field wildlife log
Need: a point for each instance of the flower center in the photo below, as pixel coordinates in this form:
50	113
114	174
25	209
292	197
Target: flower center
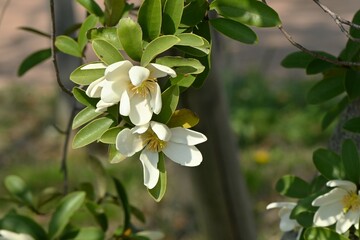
153	143
145	88
351	201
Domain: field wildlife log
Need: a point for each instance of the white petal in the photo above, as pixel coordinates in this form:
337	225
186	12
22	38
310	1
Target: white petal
335	195
287	224
182	154
158	70
152	235
186	136
327	215
8	235
156	102
349	219
128	143
347	185
141	128
94	89
124	107
101	106
149	160
161	131
93	66
138	74
111	92
118	71
140	111
272	205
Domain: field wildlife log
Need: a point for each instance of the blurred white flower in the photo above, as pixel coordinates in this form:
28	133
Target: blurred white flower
341	206
176	143
152	235
286	223
135	87
8	235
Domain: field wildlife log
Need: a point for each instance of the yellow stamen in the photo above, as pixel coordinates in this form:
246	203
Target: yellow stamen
153	143
145	88
351	201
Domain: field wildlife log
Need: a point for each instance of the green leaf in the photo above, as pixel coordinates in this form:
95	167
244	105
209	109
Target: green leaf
157	46
254	13
65	210
109	137
334	112
130	35
326	89
353	125
84	116
194	12
322	233
92	7
170	99
106	52
150	18
18	189
352	49
92	132
99	214
298	59
200	78
33	60
182	65
35	31
48	198
329	164
234	30
351	160
318	66
190	39
183	118
81	97
185	80
125	202
197	51
159	190
90	22
100	176
22	224
85	233
352	85
87	73
68	45
292	186
137	213
173	10
113	11
106	34
114	155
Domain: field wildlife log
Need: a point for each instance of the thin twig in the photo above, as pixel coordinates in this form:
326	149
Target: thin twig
3	10
54	60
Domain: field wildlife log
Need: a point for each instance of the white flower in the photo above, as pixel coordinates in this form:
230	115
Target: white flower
341	206
8	235
286	223
135	87
176	143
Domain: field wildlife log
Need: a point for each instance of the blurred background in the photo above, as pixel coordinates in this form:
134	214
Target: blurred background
276	130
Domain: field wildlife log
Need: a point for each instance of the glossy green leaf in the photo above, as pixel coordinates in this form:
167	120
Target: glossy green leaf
298	59
326	89
353	125
304	205
68	45
329	164
89	23
352	85
99	214
99	172
92	7
351	160
194	12
254	13
106	52
85	233
22	224
92	132
107	34
352	49
197	51
150	18
159	190
182	65
322	233
87	73
334	112
183	118
318	66
200	78
157	46
170	99
18	189
130	35
32	60
184	81
172	13
190	39
81	97
114	155
109	137
234	30
124	201
113	11
64	211
292	186
84	116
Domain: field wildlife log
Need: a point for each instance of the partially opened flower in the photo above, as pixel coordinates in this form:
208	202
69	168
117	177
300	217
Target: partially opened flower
9	235
178	144
286	223
341	206
135	87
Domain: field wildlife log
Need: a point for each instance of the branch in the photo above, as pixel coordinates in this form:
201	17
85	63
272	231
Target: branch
53	54
3	10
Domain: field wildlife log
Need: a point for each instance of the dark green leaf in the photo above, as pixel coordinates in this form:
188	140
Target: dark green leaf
125	202
353	125
172	13
89	23
130	35
87	73
98	213
68	45
137	213
200	78
352	85
351	160
183	118
334	112
329	164
33	60
85	233
113	11
106	34
170	99
85	116
352	49
106	51
159	190
89	190
194	12
81	97
234	30
297	60
48	199
35	31
326	89
92	7
18	189
292	186
318	66
150	18
321	233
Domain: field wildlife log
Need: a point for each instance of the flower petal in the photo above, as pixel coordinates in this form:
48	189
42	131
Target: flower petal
149	160
347	185
141	128
335	195
128	143
156	102
118	71
161	130
101	106
138	74
124	108
111	91
140	111
349	219
8	235
280	205
287	224
94	89
158	70
186	136
182	154
328	214
93	66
